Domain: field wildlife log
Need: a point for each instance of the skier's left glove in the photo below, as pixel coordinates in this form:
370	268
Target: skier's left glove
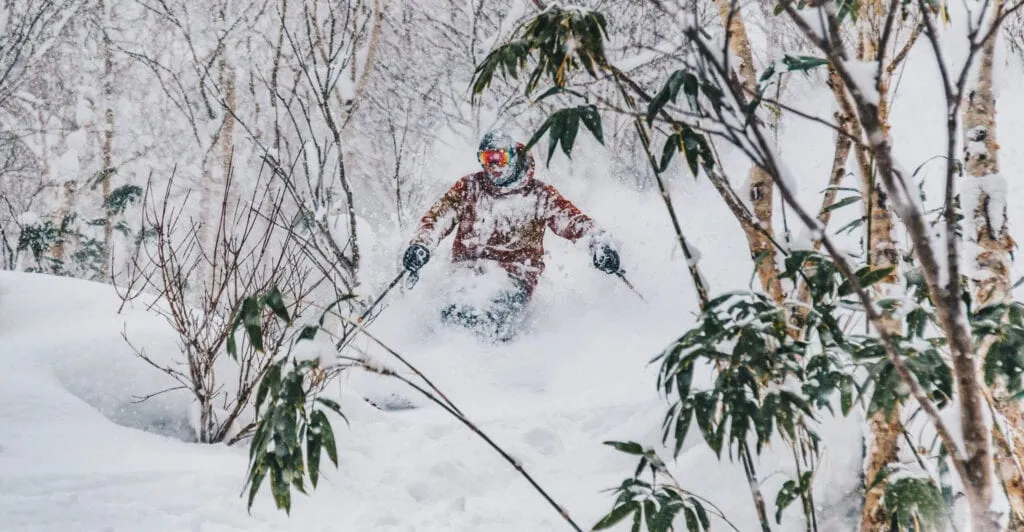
415	257
606	258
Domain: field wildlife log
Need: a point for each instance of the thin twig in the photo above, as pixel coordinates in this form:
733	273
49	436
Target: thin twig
448	407
360	328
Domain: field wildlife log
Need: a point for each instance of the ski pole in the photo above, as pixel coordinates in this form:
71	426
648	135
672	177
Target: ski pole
622	275
394	282
362	317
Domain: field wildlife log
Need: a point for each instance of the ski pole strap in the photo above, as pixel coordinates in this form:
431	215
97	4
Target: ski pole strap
411	279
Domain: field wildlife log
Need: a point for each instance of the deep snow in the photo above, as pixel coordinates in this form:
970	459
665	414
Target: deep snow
77	453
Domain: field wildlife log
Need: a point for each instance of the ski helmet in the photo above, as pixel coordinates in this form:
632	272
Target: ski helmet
502	158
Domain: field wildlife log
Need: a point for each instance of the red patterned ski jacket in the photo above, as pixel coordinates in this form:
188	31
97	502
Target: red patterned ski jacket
506	226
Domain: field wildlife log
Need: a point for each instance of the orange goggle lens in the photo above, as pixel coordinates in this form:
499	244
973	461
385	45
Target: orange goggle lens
498	157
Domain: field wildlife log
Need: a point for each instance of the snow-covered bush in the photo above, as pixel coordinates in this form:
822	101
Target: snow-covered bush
207	283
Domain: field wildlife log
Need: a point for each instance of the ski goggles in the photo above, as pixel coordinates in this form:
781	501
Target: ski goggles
499	157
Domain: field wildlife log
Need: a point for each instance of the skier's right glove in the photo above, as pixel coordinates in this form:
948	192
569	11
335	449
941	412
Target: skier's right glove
606	258
415	257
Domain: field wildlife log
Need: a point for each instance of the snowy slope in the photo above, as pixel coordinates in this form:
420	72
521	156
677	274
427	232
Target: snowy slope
74	458
78	453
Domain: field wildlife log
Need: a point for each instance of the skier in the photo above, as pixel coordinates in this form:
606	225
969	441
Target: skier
499	216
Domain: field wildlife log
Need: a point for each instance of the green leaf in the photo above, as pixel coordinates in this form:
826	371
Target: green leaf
692	524
540	133
670	92
331	404
769	71
591	118
308	332
555	133
628	447
250	318
911	502
672	145
617	514
702	514
282	493
313	445
557	90
232	346
803	63
275	301
650	515
787	494
852	225
849	200
271	380
866	277
696	148
871	277
326	434
120	198
255	481
846	397
848	8
572	124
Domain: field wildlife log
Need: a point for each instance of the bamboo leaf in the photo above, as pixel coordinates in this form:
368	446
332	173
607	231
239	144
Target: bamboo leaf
313	445
275	301
267	383
692	524
628	447
255	481
326	434
617	514
591	118
308	332
851	226
682	427
867	277
232	346
691	147
555	134
670	149
803	63
539	134
702	514
282	493
331	404
250	318
572	124
840	204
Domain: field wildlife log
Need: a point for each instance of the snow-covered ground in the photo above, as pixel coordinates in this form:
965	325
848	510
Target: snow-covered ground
79	452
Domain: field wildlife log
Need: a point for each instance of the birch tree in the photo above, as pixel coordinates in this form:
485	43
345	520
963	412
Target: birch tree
984	197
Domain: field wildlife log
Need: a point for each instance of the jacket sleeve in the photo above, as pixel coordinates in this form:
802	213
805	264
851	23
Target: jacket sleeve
566	220
442	217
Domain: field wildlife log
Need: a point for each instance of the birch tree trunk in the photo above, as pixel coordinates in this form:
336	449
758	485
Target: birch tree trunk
885	428
761	191
984	201
217	161
106	150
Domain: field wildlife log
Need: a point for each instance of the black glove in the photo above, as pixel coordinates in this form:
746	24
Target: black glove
415	257
606	258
